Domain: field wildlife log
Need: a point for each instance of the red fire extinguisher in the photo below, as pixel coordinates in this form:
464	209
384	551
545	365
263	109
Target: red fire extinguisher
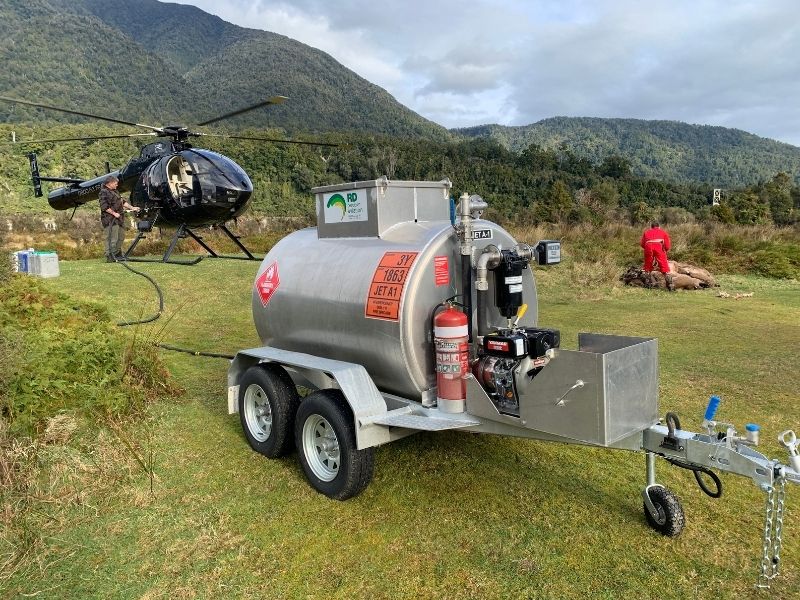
450	338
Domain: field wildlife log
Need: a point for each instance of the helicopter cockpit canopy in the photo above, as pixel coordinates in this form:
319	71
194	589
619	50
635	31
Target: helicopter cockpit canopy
198	183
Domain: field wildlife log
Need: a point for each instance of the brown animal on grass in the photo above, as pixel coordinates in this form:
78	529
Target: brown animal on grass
693	271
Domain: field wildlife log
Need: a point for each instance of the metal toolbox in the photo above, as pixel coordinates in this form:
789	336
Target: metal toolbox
370	208
605	391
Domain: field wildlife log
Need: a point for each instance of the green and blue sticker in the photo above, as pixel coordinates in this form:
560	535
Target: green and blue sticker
345	207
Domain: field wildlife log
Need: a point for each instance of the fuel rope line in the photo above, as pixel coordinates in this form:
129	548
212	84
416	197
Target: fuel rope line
157	316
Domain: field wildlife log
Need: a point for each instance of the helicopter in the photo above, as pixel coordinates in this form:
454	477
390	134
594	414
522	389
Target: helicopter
171	182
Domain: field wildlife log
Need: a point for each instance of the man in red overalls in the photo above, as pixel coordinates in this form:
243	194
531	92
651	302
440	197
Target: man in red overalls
655	242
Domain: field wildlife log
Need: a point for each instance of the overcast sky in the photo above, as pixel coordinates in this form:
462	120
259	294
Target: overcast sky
734	63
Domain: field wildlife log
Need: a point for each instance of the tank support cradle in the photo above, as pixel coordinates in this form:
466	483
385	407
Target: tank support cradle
725	451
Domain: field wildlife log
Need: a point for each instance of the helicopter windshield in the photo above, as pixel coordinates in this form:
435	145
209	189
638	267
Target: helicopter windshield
218	177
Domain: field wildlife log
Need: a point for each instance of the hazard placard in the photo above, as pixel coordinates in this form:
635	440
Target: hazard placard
388	283
267	283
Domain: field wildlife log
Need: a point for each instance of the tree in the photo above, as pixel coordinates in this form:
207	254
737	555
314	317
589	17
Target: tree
748	208
641	213
723	213
615	166
777	193
560	201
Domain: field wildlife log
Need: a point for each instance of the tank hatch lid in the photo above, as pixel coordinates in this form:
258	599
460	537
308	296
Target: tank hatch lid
370	208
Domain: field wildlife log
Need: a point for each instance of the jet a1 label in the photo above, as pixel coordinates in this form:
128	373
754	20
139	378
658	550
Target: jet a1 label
482	234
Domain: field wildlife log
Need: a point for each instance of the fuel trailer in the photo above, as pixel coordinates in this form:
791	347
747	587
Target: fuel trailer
404	311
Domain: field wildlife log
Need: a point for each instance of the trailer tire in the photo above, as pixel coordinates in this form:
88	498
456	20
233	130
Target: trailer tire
670	520
268	402
326	446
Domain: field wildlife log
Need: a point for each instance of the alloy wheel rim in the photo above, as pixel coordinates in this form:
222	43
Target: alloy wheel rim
321	447
257	412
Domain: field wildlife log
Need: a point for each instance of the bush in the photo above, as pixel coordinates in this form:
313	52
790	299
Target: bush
781	262
62	357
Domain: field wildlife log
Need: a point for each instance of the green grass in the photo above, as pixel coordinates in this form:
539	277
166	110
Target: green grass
447	515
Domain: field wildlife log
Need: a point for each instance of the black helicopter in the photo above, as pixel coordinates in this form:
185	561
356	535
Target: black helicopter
172	183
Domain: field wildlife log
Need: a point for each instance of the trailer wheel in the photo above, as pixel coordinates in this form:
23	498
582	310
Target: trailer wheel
326	444
268	402
670	518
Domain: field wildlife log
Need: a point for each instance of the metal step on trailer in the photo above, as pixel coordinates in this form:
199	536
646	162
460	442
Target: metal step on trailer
421	419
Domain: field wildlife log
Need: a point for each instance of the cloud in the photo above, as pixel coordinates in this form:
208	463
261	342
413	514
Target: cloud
722	62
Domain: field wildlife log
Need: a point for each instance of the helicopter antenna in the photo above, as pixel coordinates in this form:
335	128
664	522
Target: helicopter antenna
267	102
80	114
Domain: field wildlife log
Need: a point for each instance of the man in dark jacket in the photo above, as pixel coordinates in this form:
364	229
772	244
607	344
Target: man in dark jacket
656	243
112	218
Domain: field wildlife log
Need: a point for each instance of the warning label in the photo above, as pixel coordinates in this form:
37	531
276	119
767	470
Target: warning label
388	283
267	283
441	270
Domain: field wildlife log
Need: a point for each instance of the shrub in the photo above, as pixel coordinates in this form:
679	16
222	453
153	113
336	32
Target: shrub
63	357
781	262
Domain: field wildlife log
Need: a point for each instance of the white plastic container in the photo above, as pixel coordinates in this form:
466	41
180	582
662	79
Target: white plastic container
45	264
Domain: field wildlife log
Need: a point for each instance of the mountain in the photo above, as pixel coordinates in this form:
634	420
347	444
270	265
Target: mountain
160	63
153	62
668	150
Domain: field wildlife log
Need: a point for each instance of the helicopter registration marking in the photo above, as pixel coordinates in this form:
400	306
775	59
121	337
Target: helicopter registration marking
267	283
387	285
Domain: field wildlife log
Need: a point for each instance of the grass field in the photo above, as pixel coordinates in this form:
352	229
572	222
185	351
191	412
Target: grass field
447	515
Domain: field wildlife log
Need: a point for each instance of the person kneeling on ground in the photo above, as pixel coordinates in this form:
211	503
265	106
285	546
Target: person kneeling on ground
655	242
113	221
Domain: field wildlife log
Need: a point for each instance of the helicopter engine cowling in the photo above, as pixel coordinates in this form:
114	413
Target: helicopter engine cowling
194	186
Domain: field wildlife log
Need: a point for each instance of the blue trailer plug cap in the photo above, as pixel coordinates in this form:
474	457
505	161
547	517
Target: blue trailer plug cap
752	427
711	410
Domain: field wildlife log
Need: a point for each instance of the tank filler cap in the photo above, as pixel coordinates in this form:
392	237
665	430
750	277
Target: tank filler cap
752	427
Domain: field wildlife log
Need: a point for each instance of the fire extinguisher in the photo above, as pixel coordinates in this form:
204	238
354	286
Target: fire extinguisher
451	340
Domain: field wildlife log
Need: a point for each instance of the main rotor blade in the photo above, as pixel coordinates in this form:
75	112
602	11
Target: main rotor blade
80	139
80	114
267	102
275	140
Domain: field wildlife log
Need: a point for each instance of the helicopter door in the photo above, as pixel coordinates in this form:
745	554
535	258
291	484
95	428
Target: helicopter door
179	176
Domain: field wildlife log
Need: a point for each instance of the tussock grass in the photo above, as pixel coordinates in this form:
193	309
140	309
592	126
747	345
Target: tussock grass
756	250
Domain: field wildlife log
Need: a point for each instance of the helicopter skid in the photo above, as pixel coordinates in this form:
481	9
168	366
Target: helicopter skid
181	232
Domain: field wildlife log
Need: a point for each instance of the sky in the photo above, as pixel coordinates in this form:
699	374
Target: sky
733	63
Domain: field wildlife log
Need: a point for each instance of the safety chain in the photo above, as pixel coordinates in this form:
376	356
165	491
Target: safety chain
773	526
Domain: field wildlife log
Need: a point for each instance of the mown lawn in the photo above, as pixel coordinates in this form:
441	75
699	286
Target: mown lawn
448	515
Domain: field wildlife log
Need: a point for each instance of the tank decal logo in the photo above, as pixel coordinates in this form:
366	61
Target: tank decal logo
337	200
388	283
345	207
267	283
441	270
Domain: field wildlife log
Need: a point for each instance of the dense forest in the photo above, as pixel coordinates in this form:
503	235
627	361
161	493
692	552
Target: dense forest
532	186
668	150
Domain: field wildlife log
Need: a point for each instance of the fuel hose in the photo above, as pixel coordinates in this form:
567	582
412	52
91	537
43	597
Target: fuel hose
153	317
157	315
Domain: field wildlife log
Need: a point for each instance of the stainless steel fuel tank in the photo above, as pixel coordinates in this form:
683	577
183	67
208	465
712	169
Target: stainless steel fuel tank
369	300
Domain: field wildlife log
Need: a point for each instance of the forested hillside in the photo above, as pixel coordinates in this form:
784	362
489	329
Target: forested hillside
533	186
668	150
153	62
